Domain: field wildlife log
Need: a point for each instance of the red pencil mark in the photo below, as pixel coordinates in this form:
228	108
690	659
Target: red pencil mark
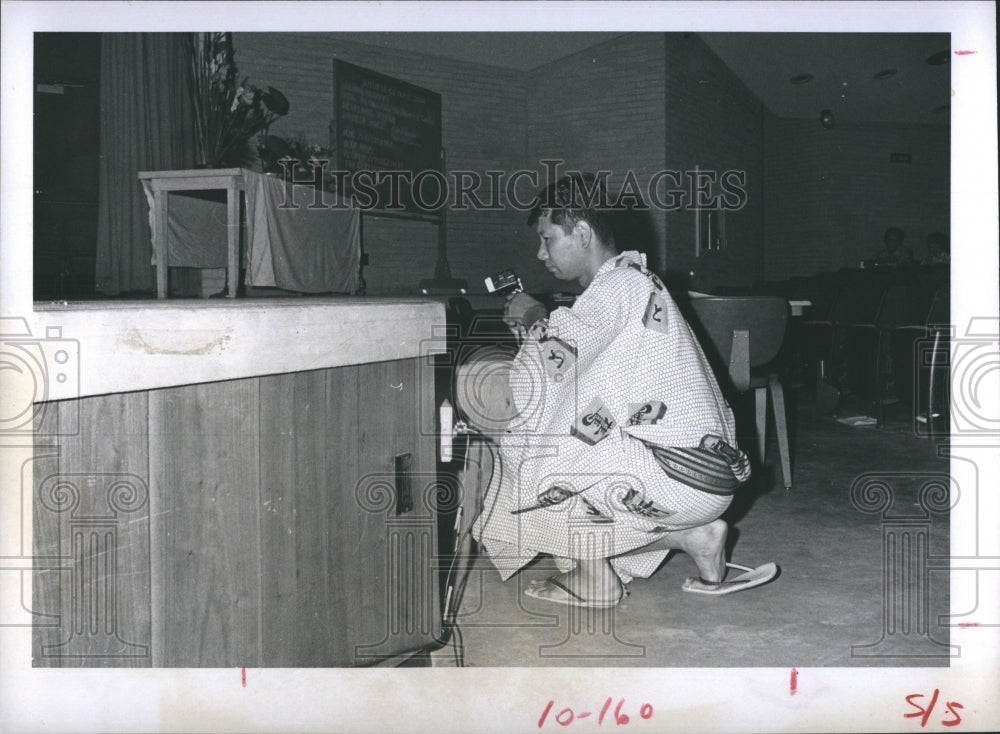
924	712
604	710
567	716
243	677
541	719
965	53
793	682
964	625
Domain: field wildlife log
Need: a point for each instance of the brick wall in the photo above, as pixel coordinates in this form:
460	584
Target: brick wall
641	102
601	110
831	193
713	122
482	128
648	102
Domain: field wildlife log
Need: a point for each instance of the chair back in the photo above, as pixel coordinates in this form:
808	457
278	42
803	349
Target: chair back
740	332
940	314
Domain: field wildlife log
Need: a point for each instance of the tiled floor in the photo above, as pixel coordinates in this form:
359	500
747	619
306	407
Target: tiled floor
838	600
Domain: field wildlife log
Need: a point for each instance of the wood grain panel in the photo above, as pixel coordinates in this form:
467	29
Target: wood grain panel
270	506
47	559
307	452
204	453
92	521
341	470
278	490
396	561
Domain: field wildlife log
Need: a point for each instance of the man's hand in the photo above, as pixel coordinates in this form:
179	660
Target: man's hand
521	312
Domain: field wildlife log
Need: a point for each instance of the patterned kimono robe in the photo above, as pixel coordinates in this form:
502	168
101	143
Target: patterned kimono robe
621	432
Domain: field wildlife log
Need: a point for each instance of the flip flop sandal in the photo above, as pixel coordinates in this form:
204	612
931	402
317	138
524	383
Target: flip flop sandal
751	578
572	599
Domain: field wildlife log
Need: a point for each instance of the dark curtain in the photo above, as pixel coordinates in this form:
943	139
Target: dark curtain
146	125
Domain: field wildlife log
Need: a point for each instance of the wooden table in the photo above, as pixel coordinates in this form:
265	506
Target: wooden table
163	182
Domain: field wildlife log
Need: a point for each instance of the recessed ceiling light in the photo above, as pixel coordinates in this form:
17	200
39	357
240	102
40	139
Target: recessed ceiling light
885	74
801	79
941	57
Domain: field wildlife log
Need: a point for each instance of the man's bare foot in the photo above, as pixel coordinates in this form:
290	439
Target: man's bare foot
706	544
591	583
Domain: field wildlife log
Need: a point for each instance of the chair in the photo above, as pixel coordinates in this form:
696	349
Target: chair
931	405
906	304
742	335
814	333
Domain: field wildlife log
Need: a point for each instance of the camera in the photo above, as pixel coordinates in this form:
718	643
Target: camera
30	365
503	283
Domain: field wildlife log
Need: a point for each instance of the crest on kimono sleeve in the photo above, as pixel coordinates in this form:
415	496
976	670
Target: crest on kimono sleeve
558	357
637	504
648	413
594	424
655	317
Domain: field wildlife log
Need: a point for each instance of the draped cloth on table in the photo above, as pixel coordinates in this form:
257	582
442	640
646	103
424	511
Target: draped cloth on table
294	245
291	243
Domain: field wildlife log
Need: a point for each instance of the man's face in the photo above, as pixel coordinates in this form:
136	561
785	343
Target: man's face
561	253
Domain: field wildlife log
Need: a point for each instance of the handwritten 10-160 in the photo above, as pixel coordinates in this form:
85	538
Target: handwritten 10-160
567	716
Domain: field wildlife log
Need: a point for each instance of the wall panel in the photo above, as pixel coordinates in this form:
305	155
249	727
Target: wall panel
208	507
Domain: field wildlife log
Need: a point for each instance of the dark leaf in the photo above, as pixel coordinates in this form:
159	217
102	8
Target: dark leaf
276	102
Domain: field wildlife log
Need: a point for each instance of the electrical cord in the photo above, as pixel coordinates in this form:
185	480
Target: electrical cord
453	601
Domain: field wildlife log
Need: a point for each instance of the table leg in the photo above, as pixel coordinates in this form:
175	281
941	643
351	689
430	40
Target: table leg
160	248
233	229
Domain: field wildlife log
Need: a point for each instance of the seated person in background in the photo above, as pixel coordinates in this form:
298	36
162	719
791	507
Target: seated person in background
895	253
938	249
622	447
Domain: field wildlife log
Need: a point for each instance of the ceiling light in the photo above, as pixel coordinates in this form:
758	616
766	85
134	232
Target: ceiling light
940	58
801	79
885	74
826	118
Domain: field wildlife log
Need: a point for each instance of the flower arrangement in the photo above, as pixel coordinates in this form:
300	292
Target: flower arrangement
227	114
277	154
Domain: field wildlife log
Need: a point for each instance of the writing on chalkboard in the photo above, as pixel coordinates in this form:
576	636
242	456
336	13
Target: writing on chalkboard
384	124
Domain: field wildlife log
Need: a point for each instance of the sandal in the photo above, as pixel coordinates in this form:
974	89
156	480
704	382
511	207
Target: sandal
751	578
571	598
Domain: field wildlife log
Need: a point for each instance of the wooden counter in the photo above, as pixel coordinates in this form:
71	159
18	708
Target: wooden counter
234	484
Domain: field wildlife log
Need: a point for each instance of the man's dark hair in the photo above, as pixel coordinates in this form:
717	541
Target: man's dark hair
577	197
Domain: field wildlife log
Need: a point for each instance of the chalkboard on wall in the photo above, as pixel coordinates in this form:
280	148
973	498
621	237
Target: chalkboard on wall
385	124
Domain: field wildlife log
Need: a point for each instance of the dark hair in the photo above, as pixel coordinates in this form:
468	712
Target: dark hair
576	197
